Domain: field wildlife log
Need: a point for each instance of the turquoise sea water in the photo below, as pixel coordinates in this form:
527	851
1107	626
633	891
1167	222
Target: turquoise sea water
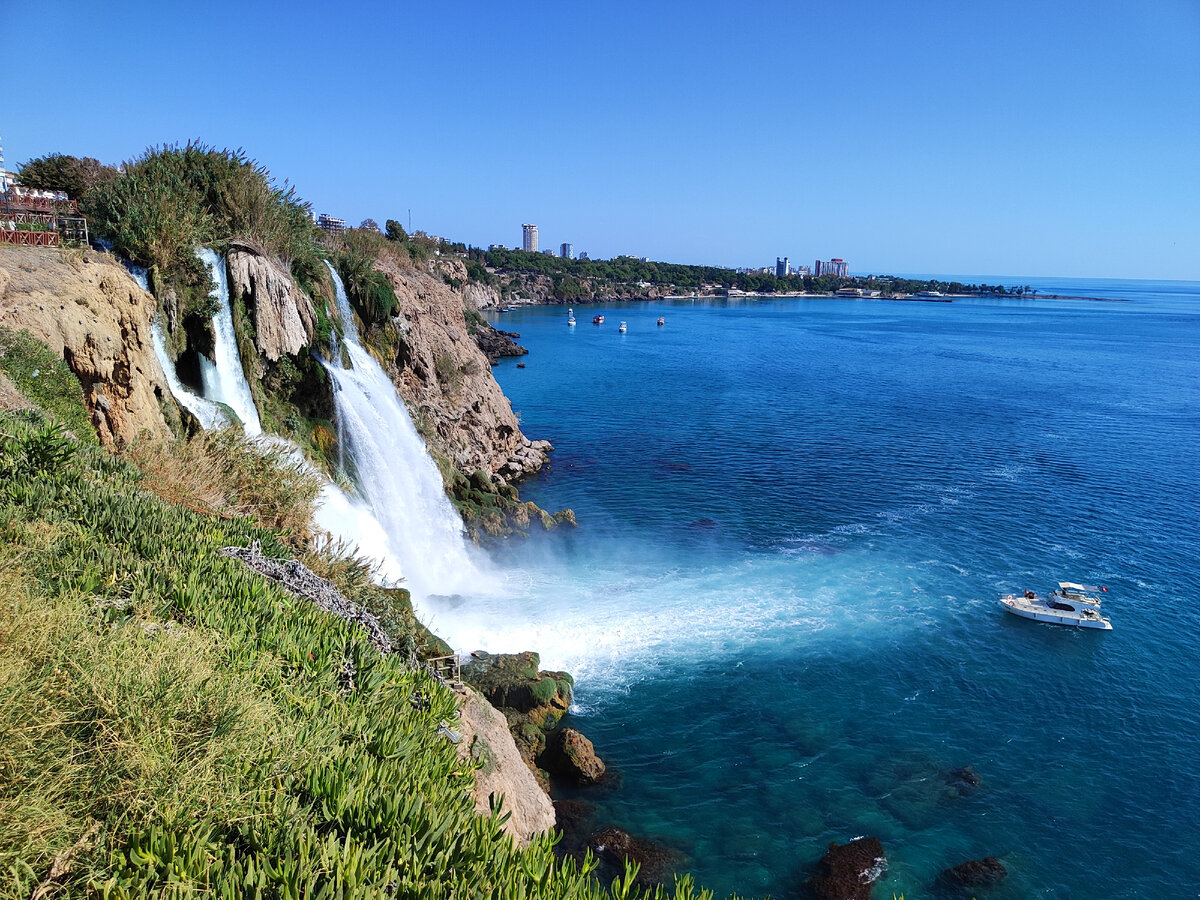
780	605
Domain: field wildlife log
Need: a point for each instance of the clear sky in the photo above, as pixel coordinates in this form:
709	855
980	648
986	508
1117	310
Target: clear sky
1025	138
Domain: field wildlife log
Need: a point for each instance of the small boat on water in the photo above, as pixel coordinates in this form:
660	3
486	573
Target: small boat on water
571	321
622	328
662	320
1071	604
597	320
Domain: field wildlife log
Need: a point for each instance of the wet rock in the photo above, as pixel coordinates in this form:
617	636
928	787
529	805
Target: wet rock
570	756
846	871
976	873
513	681
495	343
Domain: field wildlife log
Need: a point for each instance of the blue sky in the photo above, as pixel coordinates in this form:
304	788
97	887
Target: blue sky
1022	138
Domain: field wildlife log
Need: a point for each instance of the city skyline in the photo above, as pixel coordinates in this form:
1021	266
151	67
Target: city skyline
1018	141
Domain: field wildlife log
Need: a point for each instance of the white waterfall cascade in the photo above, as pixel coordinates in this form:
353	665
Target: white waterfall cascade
207	413
395	473
224	379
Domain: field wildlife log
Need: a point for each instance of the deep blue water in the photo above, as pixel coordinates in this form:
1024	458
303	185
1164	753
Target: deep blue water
780	604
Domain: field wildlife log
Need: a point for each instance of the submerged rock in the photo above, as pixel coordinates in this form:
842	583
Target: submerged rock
615	845
847	871
965	781
976	873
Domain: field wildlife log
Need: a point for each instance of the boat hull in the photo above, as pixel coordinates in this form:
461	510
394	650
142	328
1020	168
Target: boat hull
1040	612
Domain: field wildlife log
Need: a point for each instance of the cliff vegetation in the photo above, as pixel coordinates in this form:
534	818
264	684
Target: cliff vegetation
173	723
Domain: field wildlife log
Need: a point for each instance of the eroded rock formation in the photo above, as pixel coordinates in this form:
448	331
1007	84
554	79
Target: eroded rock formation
284	320
86	308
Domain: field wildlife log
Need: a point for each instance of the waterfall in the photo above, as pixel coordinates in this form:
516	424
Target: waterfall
395	473
207	413
224	379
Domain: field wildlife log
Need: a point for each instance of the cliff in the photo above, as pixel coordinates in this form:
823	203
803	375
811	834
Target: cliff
446	380
87	309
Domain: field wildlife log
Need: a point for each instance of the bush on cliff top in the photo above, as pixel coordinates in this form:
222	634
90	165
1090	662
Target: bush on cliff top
172	723
174	198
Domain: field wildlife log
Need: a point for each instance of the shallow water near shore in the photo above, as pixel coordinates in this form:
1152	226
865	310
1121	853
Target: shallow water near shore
780	605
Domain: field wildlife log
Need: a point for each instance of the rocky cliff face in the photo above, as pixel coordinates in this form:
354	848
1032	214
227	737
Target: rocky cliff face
86	308
284	319
446	380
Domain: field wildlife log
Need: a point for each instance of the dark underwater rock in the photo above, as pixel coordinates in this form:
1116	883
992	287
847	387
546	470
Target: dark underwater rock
976	873
615	845
570	756
965	781
846	871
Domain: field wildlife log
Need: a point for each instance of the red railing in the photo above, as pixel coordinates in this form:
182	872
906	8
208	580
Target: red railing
29	238
13	202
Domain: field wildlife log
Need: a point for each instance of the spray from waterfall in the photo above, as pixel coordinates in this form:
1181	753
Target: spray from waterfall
223	377
395	474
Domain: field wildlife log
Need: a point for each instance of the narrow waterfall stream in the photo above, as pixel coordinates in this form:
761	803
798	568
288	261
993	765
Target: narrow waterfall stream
207	413
224	379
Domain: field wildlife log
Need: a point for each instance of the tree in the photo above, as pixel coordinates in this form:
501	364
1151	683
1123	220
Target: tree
62	172
395	231
369	224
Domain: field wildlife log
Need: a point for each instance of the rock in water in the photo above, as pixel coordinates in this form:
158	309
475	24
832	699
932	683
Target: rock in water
570	756
846	871
614	845
976	873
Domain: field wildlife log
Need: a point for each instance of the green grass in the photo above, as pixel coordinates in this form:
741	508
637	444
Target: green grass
172	724
45	380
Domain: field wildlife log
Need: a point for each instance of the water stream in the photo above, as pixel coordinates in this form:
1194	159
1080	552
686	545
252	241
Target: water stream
223	376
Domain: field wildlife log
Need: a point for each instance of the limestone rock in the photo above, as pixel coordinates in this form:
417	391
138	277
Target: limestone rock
468	421
485	737
284	319
846	871
89	310
571	756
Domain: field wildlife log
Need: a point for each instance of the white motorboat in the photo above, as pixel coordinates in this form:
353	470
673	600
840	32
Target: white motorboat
1071	604
621	328
570	321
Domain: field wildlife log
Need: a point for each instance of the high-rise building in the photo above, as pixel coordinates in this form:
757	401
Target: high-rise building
583	254
566	251
529	238
783	268
837	267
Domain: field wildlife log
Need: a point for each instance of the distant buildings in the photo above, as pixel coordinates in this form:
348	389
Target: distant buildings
331	224
529	238
783	268
804	270
566	251
583	254
836	267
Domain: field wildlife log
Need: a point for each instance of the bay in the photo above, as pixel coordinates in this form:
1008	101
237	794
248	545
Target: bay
796	516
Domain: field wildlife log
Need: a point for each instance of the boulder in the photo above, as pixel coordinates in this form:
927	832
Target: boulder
495	343
847	871
976	873
570	756
513	681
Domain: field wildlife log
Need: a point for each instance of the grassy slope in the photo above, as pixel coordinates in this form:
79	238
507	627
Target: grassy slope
172	723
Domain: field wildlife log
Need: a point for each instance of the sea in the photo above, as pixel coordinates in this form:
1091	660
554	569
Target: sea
780	605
